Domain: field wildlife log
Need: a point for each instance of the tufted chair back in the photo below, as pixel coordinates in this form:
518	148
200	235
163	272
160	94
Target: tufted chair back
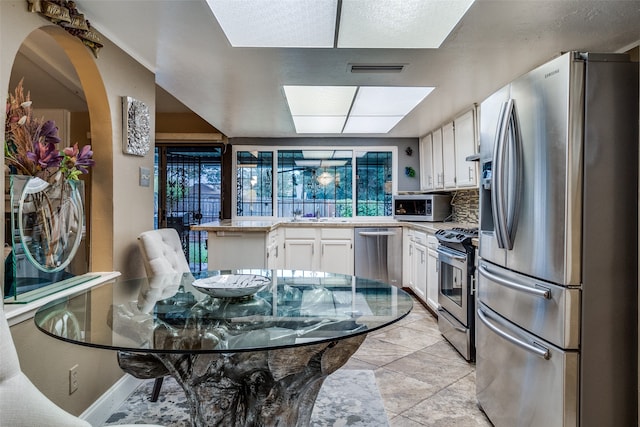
162	252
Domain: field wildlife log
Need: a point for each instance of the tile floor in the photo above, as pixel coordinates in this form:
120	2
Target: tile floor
422	379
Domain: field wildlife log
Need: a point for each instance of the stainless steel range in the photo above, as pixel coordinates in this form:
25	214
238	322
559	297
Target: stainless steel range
456	267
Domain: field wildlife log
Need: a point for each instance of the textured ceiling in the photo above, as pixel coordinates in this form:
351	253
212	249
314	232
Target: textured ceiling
239	90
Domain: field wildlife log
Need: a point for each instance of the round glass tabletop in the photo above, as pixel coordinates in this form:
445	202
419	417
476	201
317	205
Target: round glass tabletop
222	311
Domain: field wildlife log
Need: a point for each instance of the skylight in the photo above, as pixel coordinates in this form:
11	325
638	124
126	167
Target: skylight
277	23
319	109
401	24
333	109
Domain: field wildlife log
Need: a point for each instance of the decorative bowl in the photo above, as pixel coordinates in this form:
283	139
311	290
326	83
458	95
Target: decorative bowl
232	285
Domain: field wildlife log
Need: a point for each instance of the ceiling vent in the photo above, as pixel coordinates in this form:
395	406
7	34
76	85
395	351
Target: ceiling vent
376	68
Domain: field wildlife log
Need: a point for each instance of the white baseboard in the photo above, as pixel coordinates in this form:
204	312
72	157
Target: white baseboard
98	413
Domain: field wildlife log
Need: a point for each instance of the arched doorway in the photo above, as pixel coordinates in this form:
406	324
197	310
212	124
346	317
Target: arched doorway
61	71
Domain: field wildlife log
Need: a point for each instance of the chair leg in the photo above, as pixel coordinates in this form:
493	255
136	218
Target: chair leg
157	385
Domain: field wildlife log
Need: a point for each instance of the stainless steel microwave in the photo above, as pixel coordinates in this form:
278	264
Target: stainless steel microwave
421	207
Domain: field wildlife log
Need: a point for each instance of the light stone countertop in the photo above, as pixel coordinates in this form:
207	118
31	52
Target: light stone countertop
268	225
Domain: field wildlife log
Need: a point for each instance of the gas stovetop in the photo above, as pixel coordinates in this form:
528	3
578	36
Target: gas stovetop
457	237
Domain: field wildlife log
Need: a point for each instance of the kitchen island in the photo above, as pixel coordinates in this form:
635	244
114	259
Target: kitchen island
324	244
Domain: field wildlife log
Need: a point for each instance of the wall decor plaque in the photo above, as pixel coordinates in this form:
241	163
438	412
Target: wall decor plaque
136	127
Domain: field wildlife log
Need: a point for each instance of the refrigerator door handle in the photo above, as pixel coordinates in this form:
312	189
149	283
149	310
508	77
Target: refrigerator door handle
542	292
515	173
497	179
536	349
507	170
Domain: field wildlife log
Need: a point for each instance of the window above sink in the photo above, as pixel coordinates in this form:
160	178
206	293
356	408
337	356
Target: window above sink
314	182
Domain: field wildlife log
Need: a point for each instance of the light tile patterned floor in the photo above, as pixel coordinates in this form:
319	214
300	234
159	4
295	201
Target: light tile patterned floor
422	379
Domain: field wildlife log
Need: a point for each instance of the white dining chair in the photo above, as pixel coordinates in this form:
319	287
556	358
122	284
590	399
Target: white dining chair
162	254
21	403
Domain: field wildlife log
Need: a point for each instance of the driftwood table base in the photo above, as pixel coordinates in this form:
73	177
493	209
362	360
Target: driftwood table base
253	388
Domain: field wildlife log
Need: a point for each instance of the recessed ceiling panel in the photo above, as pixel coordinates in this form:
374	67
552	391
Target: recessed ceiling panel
417	24
277	23
319	100
387	100
319	124
369	124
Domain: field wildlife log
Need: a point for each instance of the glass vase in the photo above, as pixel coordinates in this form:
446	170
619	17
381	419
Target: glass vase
50	221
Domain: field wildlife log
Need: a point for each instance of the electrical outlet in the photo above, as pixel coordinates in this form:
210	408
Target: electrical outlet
73	379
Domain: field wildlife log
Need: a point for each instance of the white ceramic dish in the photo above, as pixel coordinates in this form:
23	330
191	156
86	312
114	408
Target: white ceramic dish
232	285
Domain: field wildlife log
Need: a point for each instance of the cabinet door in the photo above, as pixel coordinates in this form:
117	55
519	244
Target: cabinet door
438	173
299	254
448	156
427	181
224	248
407	257
336	256
420	271
432	279
465	137
272	257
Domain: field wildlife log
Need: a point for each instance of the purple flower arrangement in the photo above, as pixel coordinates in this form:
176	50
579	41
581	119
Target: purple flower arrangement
31	144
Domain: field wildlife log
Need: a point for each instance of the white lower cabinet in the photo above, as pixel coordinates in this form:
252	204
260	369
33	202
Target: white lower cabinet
432	273
336	256
299	254
407	257
319	249
273	251
418	264
420	271
234	250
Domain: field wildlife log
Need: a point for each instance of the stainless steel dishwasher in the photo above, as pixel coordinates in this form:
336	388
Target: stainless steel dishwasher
378	254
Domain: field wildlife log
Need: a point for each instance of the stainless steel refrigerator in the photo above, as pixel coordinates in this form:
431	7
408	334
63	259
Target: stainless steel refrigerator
556	318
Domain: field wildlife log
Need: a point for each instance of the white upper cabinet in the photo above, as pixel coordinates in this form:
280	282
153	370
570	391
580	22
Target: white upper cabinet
466	145
438	173
448	156
444	152
427	180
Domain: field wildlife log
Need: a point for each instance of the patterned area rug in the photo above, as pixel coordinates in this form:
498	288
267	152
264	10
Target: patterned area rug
347	398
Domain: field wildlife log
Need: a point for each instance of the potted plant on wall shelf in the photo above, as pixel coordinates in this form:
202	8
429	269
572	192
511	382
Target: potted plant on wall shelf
46	193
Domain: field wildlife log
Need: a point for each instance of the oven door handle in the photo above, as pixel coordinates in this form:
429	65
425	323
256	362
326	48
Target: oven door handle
451	254
542	293
536	349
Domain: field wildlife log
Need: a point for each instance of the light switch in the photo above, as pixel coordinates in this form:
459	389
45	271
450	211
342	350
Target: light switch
145	176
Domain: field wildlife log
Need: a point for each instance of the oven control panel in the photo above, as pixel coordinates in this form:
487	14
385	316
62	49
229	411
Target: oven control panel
456	235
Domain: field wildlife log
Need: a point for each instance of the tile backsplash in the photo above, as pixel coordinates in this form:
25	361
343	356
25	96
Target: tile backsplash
465	205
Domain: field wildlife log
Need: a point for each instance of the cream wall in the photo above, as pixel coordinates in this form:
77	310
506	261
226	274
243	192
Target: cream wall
120	208
133	207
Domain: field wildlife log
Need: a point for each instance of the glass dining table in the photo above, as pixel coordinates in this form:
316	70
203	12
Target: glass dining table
249	347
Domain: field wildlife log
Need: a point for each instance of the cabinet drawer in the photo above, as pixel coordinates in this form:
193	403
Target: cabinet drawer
300	233
432	242
336	233
420	237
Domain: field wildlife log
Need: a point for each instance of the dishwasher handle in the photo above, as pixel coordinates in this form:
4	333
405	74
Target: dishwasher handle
376	233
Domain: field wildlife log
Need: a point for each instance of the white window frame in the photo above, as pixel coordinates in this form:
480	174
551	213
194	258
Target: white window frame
274	150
